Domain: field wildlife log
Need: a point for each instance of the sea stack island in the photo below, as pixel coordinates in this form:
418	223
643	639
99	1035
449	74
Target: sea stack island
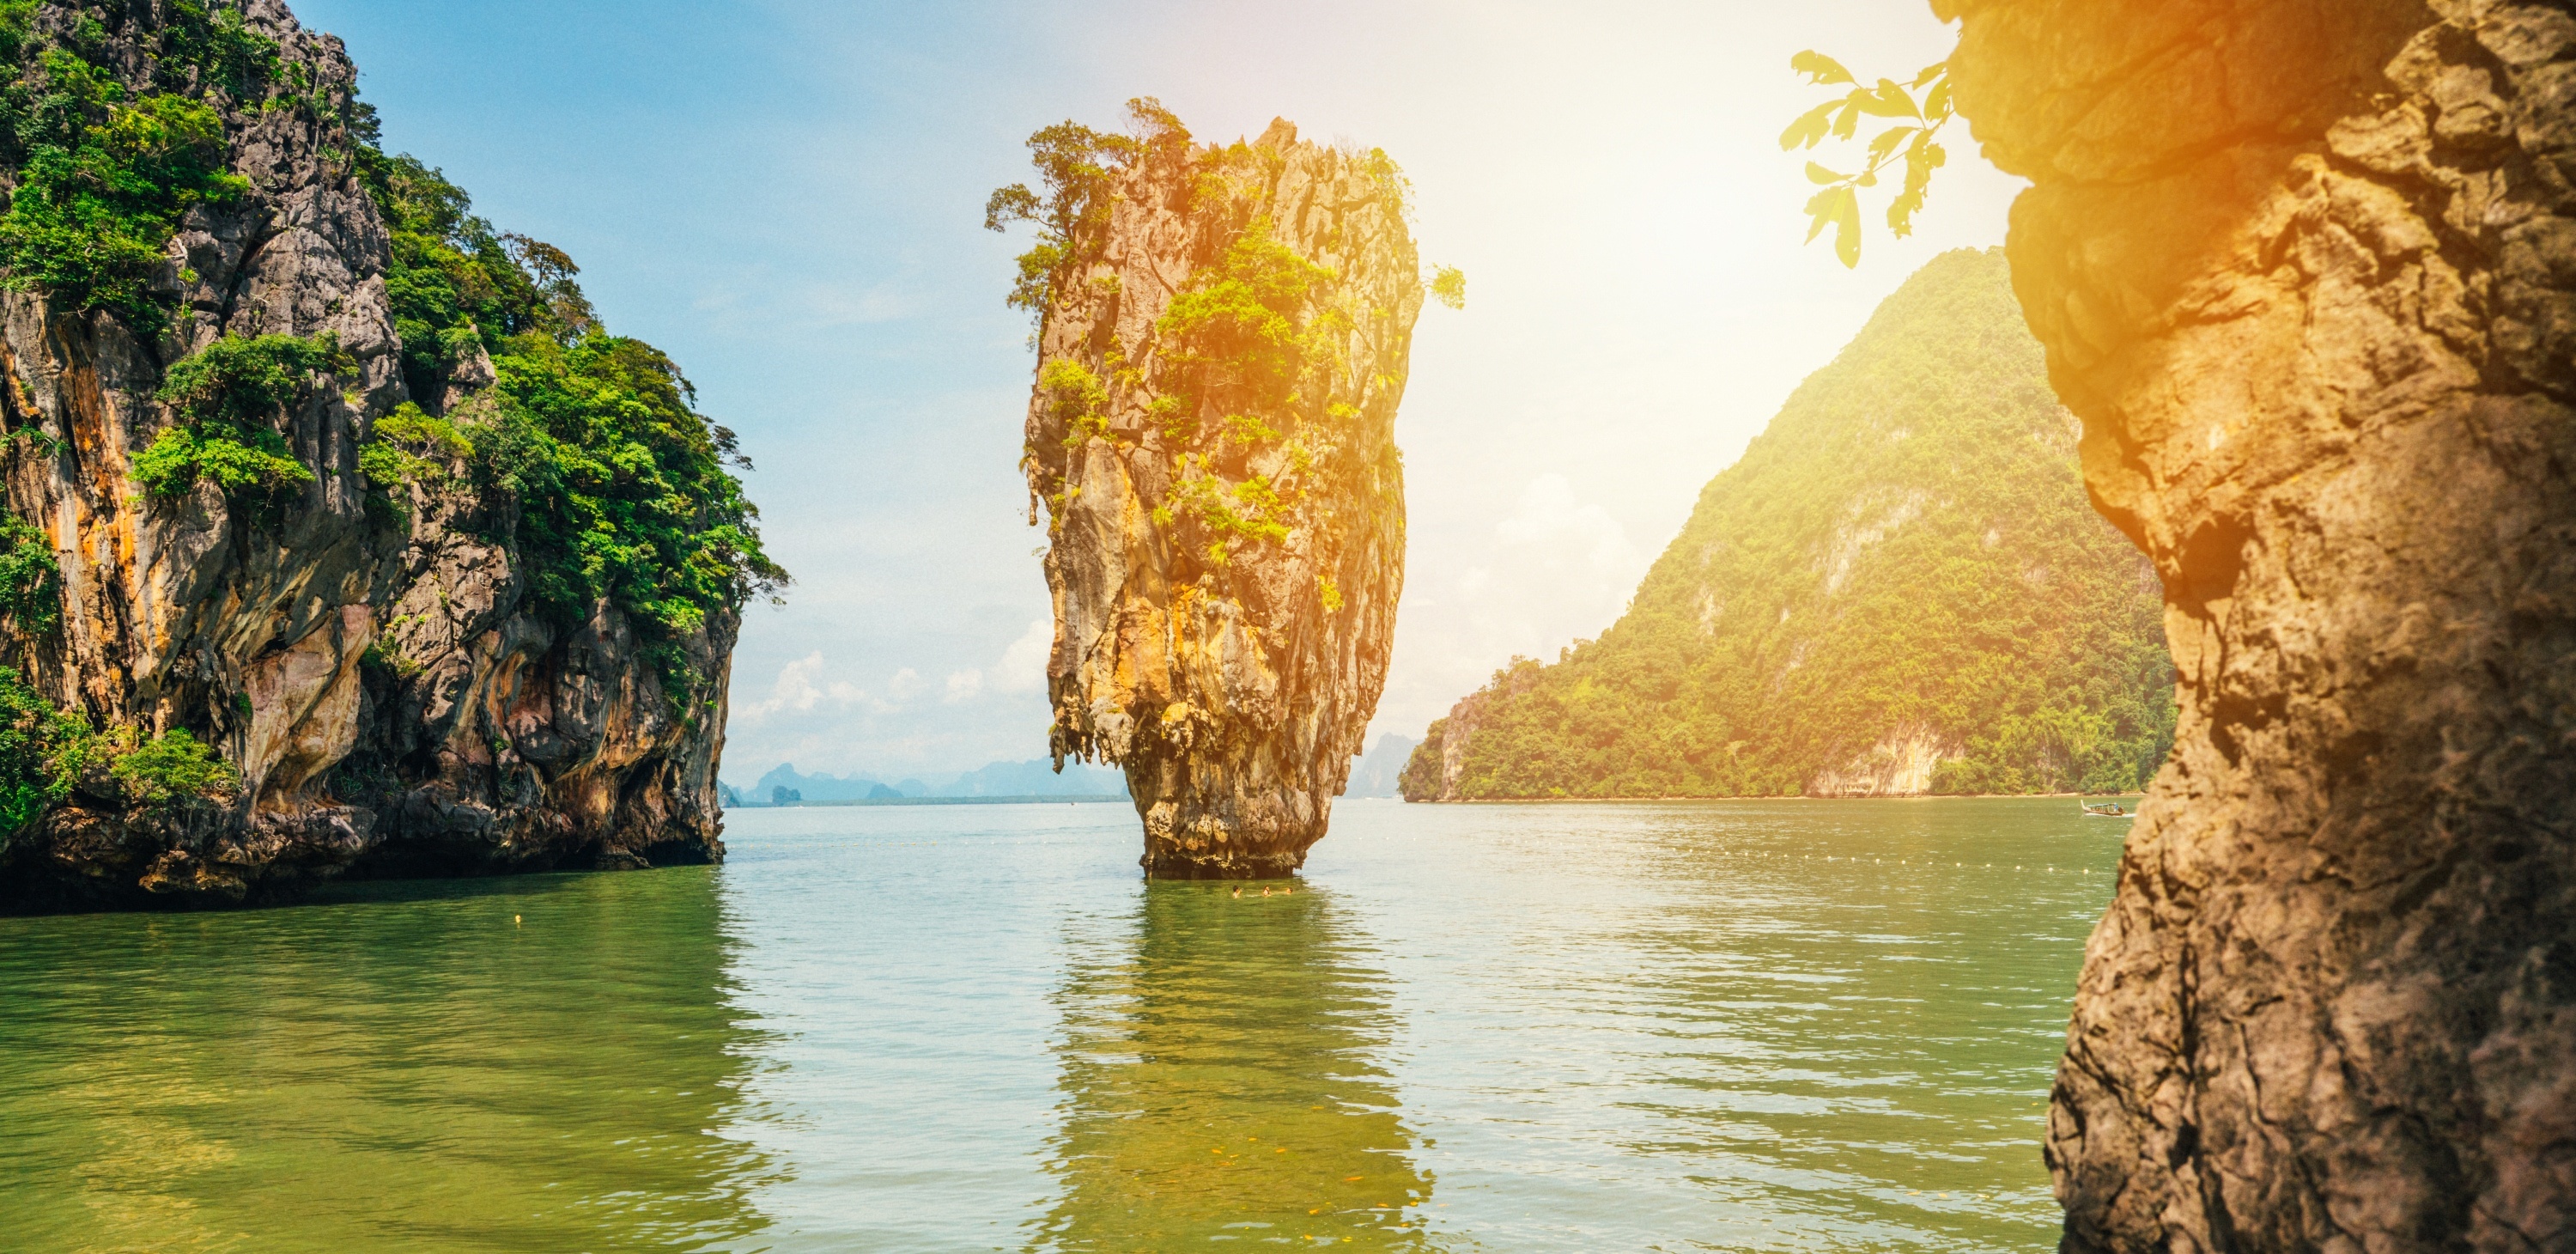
1222	341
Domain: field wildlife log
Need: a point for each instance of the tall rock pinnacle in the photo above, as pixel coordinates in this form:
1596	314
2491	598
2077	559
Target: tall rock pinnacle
1222	346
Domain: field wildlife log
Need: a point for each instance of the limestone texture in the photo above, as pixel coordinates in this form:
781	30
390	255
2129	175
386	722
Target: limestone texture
2307	271
501	743
1225	512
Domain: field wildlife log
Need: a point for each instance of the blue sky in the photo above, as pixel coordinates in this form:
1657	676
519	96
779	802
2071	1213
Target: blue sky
787	197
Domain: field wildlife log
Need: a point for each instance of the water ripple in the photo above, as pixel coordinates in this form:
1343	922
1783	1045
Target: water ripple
1737	1026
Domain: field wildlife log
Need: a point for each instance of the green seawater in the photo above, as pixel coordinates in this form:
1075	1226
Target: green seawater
1712	1026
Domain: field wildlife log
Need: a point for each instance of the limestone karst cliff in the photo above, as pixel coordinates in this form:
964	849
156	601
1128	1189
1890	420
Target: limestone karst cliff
1898	589
2307	270
1222	347
307	467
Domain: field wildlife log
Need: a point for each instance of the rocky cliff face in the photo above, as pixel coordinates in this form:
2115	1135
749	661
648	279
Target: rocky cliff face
2307	270
364	656
1437	768
1213	435
498	738
1898	589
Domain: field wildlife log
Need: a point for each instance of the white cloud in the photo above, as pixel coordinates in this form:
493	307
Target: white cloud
1549	517
756	300
1024	664
1021	670
797	689
841	307
1555	568
906	684
1555	554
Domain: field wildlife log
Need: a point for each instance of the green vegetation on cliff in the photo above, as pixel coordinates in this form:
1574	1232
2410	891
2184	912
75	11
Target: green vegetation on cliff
228	399
47	753
42	751
621	483
31	581
1077	166
1902	570
104	171
215	269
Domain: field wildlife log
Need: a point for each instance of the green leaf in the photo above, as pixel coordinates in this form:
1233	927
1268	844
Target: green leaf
1887	101
1919	108
1838	207
1821	70
1823	206
1900	212
1809	130
1847	230
1919	165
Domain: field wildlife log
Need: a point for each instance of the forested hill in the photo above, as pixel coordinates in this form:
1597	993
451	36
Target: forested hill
1900	588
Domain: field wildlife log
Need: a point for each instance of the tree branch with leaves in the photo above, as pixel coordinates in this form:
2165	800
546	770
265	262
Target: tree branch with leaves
1078	167
1919	110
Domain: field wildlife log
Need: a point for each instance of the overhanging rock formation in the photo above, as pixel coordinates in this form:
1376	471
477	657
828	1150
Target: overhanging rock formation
2307	269
1213	434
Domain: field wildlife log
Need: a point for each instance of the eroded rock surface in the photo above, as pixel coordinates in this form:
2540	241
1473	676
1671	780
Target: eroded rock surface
1227	510
512	746
500	740
2307	269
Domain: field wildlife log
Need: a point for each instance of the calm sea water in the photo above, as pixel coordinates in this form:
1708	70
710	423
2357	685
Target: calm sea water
1730	1026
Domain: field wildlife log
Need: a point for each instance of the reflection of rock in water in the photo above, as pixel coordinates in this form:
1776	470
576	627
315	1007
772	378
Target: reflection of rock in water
1220	1078
420	1073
